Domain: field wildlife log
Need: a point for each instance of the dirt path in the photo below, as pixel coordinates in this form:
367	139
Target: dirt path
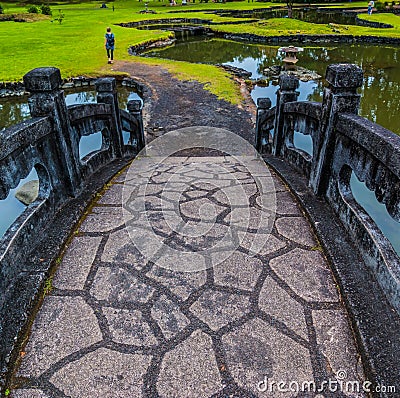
171	104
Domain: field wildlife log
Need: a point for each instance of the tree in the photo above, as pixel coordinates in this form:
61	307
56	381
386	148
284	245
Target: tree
289	4
45	9
60	18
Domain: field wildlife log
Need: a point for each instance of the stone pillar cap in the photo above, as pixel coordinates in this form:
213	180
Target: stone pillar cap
105	84
288	82
42	79
344	76
134	105
263	103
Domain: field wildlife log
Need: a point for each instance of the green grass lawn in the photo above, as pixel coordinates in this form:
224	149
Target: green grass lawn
76	46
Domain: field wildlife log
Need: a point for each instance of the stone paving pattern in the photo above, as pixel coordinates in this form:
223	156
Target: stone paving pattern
117	325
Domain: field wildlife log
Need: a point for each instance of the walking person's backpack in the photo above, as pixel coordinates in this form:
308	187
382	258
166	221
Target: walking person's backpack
110	40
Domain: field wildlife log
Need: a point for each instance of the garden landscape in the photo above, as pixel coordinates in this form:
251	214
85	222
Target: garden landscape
214	212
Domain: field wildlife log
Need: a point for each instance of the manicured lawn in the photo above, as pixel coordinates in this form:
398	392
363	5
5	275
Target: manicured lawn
76	45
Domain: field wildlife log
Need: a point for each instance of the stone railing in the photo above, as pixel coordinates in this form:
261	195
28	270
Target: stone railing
373	24
342	143
49	143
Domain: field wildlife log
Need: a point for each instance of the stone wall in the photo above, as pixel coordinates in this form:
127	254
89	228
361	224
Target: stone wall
342	143
300	38
373	24
49	142
12	89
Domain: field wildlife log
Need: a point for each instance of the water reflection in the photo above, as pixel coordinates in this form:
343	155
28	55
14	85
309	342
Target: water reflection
14	110
377	211
380	93
90	143
303	142
11	208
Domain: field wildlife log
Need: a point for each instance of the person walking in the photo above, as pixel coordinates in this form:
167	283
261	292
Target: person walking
110	45
371	5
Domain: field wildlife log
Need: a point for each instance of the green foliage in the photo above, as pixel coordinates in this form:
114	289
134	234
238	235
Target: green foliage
7	392
1	9
380	6
60	17
33	9
48	286
45	9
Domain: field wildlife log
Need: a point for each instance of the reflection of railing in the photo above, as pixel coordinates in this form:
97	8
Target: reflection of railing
50	143
342	143
302	117
264	124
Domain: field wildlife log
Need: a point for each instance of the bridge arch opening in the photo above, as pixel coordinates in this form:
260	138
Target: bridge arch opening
32	188
93	142
353	188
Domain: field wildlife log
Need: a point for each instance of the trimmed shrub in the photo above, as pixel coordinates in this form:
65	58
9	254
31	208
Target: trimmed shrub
33	10
45	9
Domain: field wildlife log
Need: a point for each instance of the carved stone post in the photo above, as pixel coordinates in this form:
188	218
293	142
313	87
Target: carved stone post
47	99
286	93
135	109
263	104
107	94
339	97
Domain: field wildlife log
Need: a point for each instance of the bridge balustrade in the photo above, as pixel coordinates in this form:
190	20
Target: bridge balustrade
301	118
342	143
264	125
49	143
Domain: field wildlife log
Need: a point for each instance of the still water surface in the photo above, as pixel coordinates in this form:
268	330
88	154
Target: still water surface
380	100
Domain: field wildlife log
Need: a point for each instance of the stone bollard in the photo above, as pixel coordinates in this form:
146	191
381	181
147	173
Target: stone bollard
286	93
46	99
339	97
263	104
135	109
107	94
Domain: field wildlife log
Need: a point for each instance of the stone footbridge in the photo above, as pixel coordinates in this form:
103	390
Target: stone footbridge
200	269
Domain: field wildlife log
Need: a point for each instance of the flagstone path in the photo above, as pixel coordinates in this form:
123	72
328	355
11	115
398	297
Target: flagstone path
118	325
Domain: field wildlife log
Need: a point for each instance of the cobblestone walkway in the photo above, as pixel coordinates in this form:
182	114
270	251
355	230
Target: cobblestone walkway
118	325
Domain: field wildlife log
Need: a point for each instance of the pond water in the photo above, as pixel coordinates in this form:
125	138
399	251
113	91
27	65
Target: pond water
380	101
15	110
